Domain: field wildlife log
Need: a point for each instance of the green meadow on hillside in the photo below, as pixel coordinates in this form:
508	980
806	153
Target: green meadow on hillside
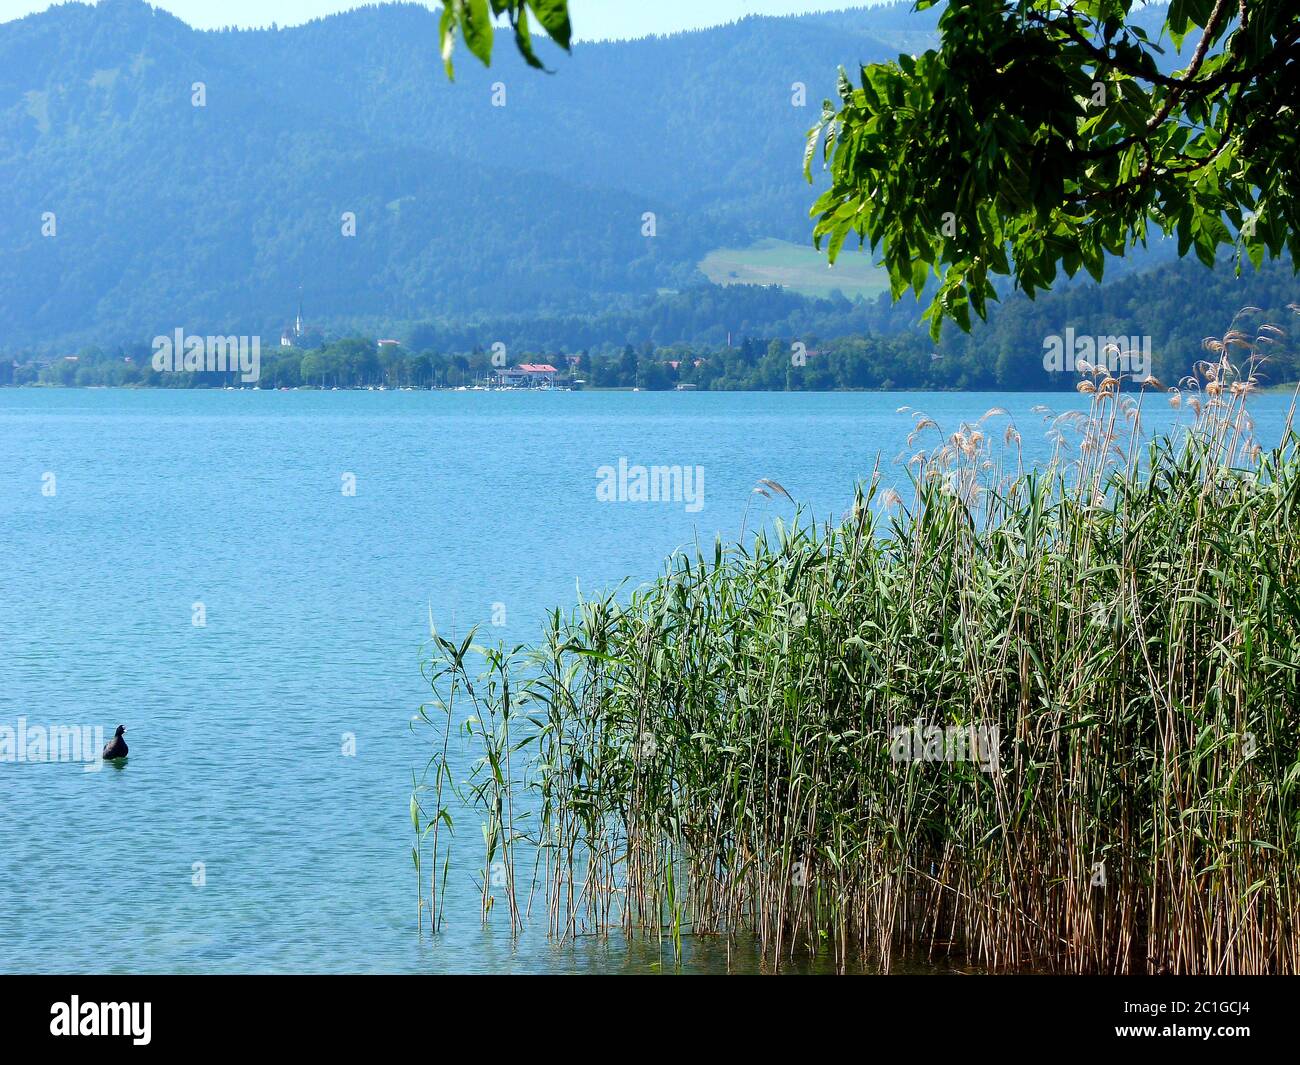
799	268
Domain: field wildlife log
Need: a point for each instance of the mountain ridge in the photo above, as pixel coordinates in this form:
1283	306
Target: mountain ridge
209	218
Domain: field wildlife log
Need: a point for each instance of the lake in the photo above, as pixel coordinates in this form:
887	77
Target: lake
314	534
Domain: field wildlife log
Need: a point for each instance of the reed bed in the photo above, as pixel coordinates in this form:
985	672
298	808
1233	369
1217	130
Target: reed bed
719	752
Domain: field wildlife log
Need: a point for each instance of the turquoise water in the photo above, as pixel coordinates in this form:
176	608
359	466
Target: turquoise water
317	603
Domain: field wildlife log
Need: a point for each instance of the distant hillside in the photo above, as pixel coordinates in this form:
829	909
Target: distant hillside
169	214
670	339
209	218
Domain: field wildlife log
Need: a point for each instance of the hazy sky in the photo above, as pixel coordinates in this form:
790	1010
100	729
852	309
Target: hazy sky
593	19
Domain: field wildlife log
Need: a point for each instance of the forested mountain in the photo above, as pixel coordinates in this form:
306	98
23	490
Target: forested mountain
209	217
131	212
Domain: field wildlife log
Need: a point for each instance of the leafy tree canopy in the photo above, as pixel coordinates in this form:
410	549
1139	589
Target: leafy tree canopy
1041	135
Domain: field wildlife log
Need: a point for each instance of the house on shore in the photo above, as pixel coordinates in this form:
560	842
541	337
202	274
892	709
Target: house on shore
527	375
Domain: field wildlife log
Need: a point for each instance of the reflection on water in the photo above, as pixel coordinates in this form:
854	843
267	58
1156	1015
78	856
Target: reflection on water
702	954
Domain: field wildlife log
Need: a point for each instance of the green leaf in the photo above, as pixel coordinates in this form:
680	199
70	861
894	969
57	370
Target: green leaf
476	24
554	17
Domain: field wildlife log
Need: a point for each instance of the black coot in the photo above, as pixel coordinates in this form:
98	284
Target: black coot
116	747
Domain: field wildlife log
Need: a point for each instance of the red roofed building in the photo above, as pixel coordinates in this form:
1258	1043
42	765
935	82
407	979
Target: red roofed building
528	375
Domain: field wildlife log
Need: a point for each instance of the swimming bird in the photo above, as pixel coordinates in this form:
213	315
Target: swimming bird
116	747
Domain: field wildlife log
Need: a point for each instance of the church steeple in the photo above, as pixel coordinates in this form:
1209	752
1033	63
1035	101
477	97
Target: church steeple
297	325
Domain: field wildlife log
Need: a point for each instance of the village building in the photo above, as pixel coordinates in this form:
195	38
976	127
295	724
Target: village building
527	375
291	335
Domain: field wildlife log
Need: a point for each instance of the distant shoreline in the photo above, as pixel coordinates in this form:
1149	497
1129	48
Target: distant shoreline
1286	386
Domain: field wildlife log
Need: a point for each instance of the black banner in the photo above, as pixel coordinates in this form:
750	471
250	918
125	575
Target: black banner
139	1014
